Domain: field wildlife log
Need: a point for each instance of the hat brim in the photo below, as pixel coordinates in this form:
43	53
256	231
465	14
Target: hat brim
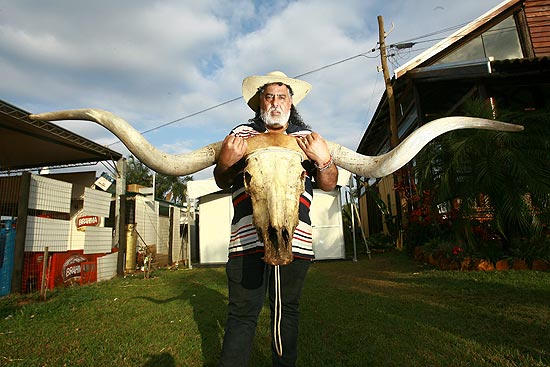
251	84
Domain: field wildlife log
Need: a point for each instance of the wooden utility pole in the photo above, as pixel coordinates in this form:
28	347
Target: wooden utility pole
394	140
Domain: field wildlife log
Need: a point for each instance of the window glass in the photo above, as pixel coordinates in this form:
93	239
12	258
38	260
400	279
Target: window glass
473	50
501	42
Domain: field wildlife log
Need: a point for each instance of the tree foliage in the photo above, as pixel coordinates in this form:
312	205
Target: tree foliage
508	173
170	188
138	173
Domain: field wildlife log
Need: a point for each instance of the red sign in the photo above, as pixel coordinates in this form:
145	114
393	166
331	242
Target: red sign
72	267
87	221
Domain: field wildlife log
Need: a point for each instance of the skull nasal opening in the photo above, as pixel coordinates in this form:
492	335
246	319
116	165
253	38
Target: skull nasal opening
277	240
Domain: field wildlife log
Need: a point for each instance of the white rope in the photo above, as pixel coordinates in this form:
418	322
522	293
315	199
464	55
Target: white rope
278	310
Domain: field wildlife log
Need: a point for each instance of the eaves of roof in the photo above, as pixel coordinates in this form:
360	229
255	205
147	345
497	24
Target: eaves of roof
30	144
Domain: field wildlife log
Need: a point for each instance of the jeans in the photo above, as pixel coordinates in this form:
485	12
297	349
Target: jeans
249	278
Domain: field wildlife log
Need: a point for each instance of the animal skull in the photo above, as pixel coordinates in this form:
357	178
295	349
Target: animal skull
274	176
275	197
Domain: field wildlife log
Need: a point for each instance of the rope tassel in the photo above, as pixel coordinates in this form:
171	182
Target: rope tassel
278	314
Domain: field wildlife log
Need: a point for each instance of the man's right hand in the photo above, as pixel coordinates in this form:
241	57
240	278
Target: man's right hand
232	150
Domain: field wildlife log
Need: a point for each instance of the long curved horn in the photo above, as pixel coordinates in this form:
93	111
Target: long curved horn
185	164
173	165
385	164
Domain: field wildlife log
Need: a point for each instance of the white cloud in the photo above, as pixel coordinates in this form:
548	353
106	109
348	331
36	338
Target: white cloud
156	62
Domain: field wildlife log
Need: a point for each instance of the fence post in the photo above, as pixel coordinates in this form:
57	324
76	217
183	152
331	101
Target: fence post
171	235
120	215
121	259
43	285
21	232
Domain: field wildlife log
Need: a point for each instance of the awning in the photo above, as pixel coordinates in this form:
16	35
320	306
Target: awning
27	144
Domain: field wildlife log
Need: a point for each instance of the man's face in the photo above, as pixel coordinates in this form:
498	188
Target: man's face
275	103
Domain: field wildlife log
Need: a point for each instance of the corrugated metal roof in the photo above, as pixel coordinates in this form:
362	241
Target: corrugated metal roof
27	144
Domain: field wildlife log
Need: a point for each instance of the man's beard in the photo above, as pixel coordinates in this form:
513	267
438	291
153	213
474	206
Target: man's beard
275	121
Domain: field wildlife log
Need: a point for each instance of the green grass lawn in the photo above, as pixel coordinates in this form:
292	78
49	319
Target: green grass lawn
388	311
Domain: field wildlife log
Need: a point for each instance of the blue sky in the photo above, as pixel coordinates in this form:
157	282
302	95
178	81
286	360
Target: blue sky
154	62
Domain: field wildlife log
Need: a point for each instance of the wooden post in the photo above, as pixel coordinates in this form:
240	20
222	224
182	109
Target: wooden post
43	285
171	235
189	219
394	138
21	233
120	215
121	257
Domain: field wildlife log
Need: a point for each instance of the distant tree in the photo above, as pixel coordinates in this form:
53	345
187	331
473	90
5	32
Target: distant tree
170	188
138	173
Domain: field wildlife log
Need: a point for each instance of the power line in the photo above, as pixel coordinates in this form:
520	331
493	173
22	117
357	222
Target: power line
238	98
406	44
182	118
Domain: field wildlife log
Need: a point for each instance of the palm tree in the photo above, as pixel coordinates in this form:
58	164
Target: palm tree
138	173
172	188
506	173
169	188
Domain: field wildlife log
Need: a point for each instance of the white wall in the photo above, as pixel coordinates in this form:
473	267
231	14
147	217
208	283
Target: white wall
106	266
96	202
98	240
42	232
216	212
146	220
326	219
50	195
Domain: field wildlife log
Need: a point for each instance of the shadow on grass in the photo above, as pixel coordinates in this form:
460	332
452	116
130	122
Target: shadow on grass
492	312
209	311
158	360
436	318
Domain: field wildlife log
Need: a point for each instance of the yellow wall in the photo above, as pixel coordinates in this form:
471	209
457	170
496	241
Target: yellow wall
385	187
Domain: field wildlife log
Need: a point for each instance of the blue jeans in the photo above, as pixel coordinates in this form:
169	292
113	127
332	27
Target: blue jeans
249	278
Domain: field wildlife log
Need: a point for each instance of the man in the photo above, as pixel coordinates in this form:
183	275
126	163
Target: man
273	98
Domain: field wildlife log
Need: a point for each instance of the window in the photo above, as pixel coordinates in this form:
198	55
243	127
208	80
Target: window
501	42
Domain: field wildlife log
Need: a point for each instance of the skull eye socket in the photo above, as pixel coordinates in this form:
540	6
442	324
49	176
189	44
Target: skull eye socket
247	178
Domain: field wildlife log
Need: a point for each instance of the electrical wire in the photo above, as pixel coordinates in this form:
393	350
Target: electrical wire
415	40
238	98
374	88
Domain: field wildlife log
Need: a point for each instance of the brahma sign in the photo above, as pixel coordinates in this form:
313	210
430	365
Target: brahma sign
87	221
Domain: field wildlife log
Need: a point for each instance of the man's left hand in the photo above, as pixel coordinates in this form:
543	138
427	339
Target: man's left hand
315	147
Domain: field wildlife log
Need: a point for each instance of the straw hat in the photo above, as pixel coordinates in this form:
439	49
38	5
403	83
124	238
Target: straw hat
252	83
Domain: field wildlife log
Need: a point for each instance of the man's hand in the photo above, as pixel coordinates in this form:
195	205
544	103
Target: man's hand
316	149
232	151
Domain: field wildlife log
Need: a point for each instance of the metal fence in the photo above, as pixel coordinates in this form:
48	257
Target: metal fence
56	232
42	243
